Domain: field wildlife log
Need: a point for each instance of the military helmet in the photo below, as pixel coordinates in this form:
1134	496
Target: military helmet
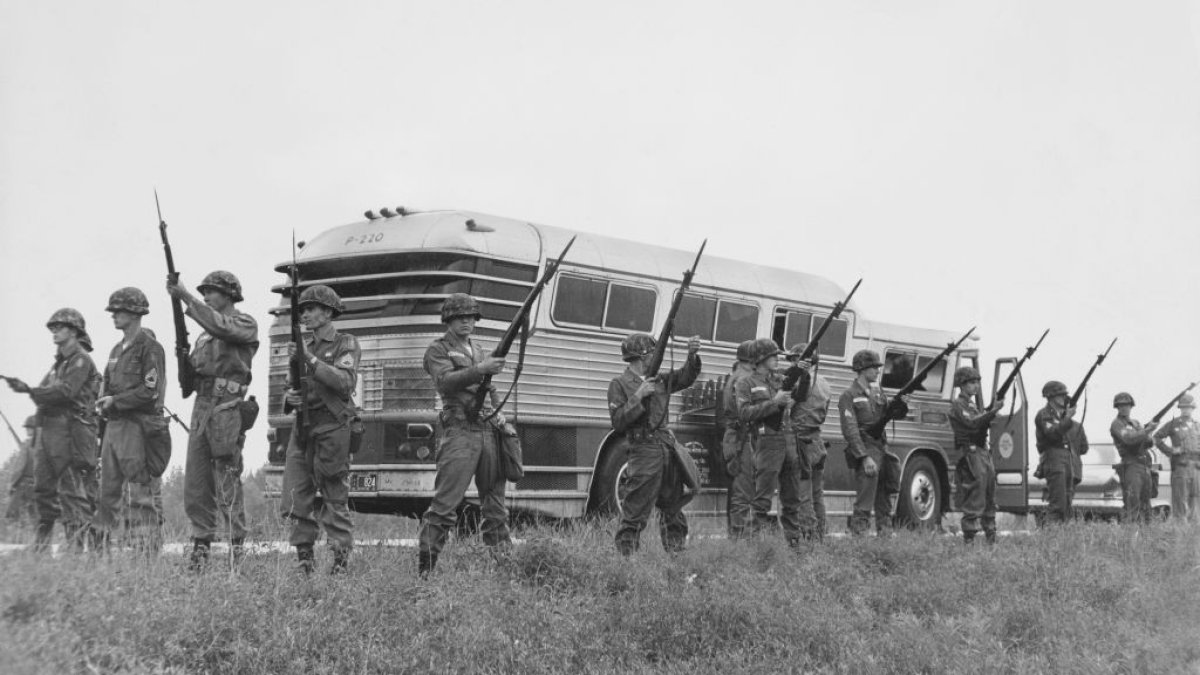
964	375
224	282
1186	401
68	317
1123	398
864	359
128	299
459	304
796	350
31	422
321	295
745	351
1054	388
763	349
636	346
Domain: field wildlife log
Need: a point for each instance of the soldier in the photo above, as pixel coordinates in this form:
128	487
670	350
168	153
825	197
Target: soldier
738	454
318	455
212	482
638	408
1133	443
1184	452
1053	427
860	406
134	387
975	471
457	364
809	407
65	462
21	504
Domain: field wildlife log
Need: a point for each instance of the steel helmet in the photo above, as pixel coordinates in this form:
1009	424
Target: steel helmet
31	422
745	351
68	317
1186	401
128	299
459	304
224	282
1123	398
796	350
864	359
321	295
636	346
964	375
763	349
1054	388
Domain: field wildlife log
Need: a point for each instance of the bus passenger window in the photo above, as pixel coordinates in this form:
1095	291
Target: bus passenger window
579	300
935	378
798	326
696	317
630	308
833	343
897	370
736	322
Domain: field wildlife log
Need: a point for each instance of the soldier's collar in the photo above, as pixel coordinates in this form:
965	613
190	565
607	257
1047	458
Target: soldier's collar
325	333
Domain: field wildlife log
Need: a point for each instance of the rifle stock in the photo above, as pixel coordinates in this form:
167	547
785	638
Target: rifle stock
660	347
1083	385
889	413
1167	408
187	379
1012	377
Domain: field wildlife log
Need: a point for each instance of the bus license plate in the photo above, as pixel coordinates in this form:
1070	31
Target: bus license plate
364	482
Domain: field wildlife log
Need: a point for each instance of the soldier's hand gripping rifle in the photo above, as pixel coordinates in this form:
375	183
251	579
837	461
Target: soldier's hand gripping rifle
187	378
1083	385
297	363
520	320
1012	377
660	348
897	403
1167	408
797	379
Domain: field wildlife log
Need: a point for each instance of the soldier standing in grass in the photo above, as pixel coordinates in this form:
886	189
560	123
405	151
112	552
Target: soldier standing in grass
1133	443
468	448
809	407
638	408
316	472
134	387
976	473
860	406
1184	452
65	463
22	506
1053	426
212	484
736	448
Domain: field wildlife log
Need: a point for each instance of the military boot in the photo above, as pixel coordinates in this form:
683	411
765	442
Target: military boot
198	559
990	537
305	559
968	538
341	561
426	561
237	551
42	536
97	541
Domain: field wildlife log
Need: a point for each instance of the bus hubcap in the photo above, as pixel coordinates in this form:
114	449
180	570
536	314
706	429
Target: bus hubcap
921	495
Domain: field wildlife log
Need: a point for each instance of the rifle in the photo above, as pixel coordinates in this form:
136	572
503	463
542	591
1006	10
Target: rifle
519	320
795	379
172	415
11	430
890	412
296	365
1166	408
187	383
1082	385
1012	377
660	348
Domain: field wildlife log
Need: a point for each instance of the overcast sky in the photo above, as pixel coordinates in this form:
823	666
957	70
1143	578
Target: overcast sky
1016	165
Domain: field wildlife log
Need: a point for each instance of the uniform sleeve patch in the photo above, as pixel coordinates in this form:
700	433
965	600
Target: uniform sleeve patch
861	399
848	414
758	389
152	379
347	361
458	354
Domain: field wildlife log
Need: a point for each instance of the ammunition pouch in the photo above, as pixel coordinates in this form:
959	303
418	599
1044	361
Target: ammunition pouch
511	456
248	409
156	434
357	431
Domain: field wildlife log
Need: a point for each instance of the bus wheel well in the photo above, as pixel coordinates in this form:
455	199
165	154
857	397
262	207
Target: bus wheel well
924	490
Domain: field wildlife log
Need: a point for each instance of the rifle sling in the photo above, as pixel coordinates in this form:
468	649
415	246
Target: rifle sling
524	336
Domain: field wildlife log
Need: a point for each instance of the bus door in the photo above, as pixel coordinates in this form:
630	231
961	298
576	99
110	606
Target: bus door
1010	441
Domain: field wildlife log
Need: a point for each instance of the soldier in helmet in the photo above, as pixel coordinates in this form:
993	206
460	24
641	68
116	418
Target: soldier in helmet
761	401
220	362
811	394
318	455
135	385
735	446
1184	452
21	504
1133	443
859	407
638	408
1053	428
976	473
65	462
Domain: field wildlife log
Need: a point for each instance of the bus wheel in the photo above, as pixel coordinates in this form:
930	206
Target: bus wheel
920	503
612	475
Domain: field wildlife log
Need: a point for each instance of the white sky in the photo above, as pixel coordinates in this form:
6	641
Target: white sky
1019	165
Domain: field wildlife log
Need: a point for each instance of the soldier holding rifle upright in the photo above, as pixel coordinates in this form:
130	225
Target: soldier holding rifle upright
811	395
860	407
1133	443
1052	425
1184	452
975	471
736	446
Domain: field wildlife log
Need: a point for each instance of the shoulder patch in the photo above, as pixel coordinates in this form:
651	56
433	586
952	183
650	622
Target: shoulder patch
347	361
848	414
79	362
152	379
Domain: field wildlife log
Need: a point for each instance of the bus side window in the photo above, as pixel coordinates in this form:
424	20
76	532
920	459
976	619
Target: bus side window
579	300
736	321
697	315
630	308
833	343
897	369
936	377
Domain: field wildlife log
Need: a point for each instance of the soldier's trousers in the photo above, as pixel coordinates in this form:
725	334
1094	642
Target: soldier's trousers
1185	490
777	468
739	464
466	453
810	447
1135	492
1060	484
65	475
129	497
870	492
21	502
653	480
316	482
976	475
212	482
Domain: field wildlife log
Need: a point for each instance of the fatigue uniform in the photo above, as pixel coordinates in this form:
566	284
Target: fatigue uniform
318	456
776	465
739	456
135	379
213	475
858	409
807	416
1133	445
1051	430
1077	440
654	477
468	448
1184	452
65	465
21	504
975	471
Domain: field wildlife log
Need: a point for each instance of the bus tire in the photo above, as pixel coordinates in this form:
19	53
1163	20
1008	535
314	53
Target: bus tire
920	502
606	494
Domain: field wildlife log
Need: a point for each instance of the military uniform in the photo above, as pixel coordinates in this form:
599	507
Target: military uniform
1133	444
1077	440
1051	429
776	465
738	455
1184	452
858	409
807	416
975	471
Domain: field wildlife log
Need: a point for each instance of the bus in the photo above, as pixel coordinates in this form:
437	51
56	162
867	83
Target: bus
394	269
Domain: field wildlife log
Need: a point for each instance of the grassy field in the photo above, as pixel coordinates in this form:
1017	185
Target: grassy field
1086	599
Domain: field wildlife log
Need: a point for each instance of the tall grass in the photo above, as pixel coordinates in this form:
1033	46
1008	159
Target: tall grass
1082	599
